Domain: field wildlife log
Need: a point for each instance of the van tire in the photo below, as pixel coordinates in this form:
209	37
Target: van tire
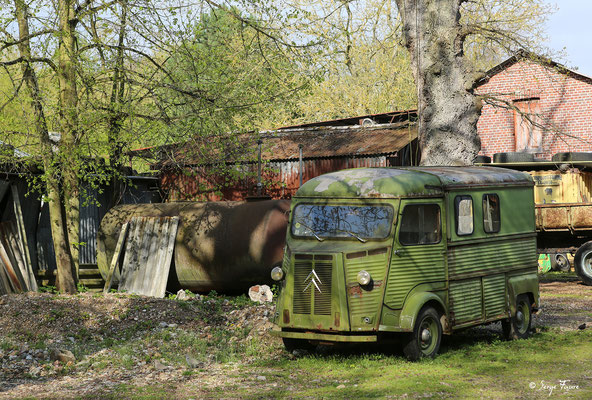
560	262
425	340
518	326
583	263
297	344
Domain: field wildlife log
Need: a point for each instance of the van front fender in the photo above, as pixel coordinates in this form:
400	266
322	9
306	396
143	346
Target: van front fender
413	305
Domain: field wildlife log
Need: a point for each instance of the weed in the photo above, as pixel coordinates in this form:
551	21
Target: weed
48	289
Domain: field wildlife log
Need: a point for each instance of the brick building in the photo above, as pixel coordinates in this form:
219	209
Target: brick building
535	106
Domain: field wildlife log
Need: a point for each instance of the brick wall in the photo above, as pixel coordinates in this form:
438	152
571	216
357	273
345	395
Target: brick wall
565	104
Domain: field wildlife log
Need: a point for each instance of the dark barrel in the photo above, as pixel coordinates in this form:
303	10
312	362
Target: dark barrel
222	246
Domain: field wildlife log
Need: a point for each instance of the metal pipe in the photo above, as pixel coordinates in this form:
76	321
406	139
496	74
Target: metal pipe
259	142
300	166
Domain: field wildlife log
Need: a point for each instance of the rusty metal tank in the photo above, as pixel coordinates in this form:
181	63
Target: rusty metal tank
222	246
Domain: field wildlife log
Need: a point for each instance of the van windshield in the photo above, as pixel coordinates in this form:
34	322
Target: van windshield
352	222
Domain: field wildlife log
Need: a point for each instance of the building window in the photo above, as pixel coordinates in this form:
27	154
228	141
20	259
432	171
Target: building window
420	224
527	131
464	215
491	213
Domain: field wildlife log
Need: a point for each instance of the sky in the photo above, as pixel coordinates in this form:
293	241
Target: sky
571	28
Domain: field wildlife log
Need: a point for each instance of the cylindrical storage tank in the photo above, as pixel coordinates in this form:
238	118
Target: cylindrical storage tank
222	246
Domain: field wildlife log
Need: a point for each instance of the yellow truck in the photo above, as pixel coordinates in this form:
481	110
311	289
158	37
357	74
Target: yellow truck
563	210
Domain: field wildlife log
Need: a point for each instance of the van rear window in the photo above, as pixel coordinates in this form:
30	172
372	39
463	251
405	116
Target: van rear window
464	215
491	213
420	224
350	222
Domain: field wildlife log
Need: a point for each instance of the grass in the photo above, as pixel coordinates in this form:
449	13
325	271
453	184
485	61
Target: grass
558	276
471	365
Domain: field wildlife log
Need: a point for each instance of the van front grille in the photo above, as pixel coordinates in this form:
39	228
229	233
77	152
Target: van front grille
309	285
302	294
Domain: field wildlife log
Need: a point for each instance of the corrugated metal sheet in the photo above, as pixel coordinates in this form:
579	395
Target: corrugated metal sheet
364	303
490	256
494	295
465	301
281	179
414	264
90	216
148	255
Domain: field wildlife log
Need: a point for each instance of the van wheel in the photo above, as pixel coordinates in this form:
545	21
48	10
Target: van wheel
297	344
559	262
518	327
583	263
425	340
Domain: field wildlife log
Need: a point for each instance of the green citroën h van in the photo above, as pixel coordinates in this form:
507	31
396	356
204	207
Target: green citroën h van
421	251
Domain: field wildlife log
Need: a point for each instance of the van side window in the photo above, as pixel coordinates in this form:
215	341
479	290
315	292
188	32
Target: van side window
464	215
420	224
491	213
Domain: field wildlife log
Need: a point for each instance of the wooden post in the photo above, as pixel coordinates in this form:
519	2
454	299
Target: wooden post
29	275
116	257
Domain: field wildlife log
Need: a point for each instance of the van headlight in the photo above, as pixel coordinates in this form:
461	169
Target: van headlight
364	277
277	274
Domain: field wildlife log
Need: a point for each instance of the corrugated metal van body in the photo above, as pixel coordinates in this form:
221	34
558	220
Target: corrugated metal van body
362	303
480	263
415	265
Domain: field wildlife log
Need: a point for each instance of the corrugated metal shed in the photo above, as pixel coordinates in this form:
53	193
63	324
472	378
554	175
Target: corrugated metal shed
324	149
283	144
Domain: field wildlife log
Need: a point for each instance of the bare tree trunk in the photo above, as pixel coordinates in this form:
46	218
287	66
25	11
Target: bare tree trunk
448	110
65	279
68	111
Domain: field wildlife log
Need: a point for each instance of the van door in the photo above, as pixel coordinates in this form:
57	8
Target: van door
419	250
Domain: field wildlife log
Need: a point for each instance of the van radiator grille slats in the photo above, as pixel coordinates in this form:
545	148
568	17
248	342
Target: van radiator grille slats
302	298
322	300
304	287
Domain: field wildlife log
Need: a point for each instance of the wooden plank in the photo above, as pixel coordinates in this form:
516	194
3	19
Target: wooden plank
130	256
22	242
5	287
16	281
116	258
158	261
166	265
146	268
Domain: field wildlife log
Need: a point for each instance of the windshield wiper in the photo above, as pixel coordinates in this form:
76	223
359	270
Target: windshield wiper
353	235
320	239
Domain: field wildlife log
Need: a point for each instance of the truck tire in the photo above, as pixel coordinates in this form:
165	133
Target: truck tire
560	262
573	156
512	157
482	160
425	340
583	263
518	326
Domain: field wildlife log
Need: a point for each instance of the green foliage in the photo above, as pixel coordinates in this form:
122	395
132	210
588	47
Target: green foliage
48	289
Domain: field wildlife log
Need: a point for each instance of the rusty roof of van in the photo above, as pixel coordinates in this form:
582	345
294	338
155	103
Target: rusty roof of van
409	181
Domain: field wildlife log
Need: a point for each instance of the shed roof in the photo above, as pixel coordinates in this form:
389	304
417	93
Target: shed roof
283	144
410	181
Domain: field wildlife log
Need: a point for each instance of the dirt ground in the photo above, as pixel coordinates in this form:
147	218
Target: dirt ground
34	327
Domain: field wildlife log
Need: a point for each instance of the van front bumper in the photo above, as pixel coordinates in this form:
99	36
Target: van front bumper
325	337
